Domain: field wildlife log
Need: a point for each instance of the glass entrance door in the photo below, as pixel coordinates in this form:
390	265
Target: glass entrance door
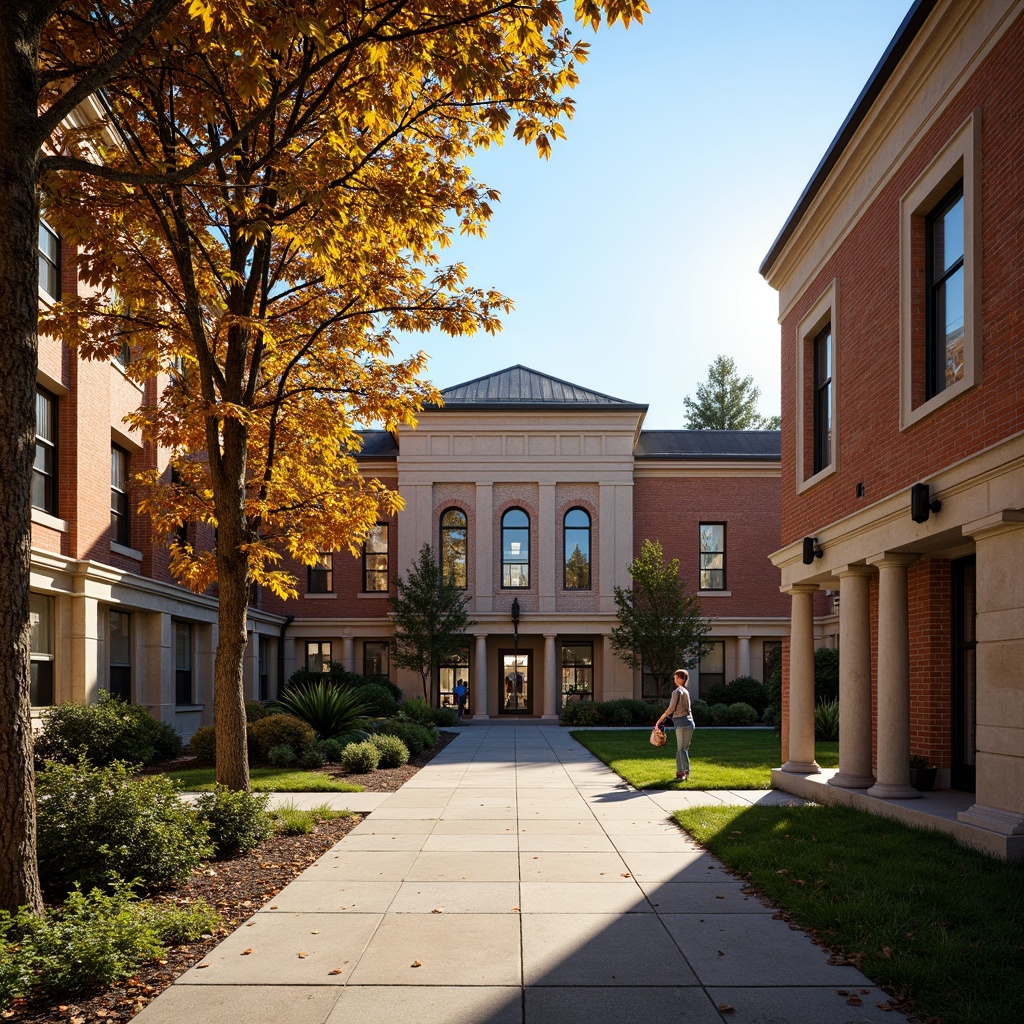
964	697
516	689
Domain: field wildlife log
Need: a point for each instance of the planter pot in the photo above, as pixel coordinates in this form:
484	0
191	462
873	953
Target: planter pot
923	779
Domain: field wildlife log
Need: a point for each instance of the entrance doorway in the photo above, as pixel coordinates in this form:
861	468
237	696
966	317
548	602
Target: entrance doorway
964	694
516	690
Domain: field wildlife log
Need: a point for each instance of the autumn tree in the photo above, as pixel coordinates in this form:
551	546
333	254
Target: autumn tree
430	618
326	149
726	401
660	627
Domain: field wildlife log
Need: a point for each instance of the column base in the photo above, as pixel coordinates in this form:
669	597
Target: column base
801	767
1007	823
892	791
850	781
549	718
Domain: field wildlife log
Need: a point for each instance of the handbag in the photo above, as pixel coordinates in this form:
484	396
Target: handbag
657	737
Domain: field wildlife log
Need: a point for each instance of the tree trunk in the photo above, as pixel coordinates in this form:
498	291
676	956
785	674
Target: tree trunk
19	312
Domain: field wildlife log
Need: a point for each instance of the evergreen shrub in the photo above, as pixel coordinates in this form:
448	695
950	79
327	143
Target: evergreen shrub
282	756
203	745
718	714
393	752
280	729
237	820
378	700
360	758
742	714
700	709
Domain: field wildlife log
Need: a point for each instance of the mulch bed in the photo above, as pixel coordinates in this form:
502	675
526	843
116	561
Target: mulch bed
236	887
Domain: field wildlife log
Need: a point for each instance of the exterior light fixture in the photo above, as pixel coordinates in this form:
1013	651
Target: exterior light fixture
922	504
515	669
812	550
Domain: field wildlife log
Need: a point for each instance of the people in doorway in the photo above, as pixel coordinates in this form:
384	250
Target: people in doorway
681	713
460	697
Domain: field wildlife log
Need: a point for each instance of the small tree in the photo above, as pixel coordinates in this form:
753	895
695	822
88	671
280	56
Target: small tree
660	626
430	618
727	401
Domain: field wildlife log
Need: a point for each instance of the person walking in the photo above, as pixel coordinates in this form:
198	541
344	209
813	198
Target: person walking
681	713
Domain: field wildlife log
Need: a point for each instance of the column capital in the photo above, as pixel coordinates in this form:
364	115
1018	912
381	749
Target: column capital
1004	521
801	588
550	636
481	636
893	559
853	570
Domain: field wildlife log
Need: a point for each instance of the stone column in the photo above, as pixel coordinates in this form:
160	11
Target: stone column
85	648
480	677
744	665
550	677
348	653
801	682
855	703
893	775
154	684
999	796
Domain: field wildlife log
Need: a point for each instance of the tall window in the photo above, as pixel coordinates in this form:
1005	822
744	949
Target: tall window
264	667
183	693
41	668
120	682
44	469
823	398
375	659
375	560
577	672
120	508
49	260
515	548
318	655
453	547
712	665
712	556
576	536
944	269
451	671
321	575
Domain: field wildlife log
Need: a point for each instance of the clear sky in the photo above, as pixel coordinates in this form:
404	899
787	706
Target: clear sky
632	254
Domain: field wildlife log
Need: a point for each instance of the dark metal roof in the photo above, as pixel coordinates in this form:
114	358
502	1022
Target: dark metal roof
378	444
905	35
764	445
521	387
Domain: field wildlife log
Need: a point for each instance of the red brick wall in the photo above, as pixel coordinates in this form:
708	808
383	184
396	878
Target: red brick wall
670	509
930	659
873	450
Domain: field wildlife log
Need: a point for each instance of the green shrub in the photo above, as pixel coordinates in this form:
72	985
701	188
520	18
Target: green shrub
379	700
826	674
176	925
742	714
16	967
312	758
743	689
327	708
282	756
393	752
771	717
445	718
418	710
275	730
773	686
110	730
329	750
826	720
98	823
718	714
255	711
237	820
360	758
412	734
580	713
203	745
700	710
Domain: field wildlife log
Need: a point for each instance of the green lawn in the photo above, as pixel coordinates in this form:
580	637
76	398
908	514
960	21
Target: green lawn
274	780
917	913
719	758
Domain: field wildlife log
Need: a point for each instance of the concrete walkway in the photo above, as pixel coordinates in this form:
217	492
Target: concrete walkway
517	880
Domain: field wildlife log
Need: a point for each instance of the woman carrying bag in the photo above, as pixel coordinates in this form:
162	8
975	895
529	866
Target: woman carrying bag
680	712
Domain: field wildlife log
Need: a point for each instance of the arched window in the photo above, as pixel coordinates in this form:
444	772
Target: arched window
515	548
453	547
576	550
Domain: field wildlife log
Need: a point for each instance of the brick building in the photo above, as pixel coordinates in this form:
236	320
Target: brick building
900	278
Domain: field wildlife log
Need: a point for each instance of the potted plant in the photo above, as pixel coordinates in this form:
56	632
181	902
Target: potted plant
922	772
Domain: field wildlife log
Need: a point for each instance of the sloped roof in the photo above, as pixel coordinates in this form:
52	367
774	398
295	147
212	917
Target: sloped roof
378	444
521	387
764	445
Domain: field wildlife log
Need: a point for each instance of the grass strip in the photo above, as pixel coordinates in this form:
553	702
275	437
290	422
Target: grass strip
290	820
267	780
719	758
929	920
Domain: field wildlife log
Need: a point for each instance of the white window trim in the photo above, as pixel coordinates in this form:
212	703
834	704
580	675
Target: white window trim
824	311
960	158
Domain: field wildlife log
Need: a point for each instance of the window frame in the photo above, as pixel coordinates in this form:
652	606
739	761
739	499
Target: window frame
384	660
42	660
184	680
520	561
450	671
52	264
588	530
448	572
575	667
123	687
120	499
823	314
934	286
320	576
263	666
322	647
49	446
702	552
711	678
377	574
959	160
823	358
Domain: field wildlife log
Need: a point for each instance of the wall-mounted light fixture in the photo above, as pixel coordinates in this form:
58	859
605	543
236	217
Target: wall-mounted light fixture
922	504
812	550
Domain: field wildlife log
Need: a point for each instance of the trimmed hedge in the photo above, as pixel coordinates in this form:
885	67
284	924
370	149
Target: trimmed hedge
742	689
622	712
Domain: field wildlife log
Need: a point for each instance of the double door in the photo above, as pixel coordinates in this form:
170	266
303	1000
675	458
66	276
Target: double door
516	689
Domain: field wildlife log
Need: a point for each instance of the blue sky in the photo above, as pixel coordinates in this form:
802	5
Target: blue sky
632	253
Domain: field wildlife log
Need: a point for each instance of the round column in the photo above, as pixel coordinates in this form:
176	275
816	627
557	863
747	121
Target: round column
893	776
801	682
855	702
348	659
550	677
480	677
744	666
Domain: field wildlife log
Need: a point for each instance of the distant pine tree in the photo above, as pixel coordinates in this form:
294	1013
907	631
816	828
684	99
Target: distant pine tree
727	401
577	571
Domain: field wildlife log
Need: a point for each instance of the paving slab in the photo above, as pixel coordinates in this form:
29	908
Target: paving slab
228	1004
723	896
583	898
424	1005
457	898
465	867
838	1005
640	1005
308	895
572	867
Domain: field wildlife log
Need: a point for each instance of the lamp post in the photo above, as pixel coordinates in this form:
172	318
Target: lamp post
515	656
